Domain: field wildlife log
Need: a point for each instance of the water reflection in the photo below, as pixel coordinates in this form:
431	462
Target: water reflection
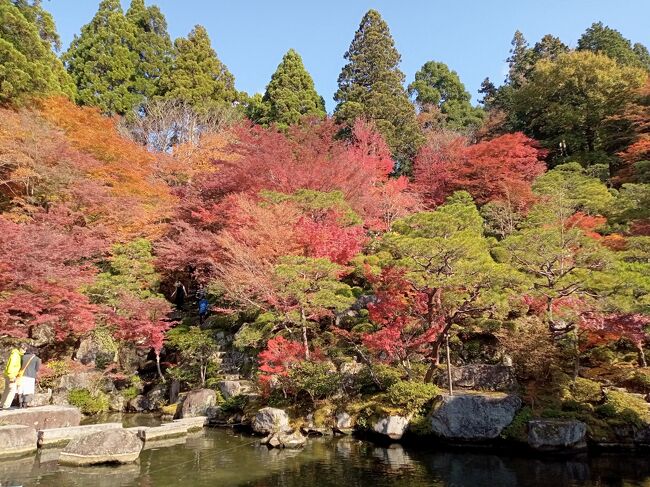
219	457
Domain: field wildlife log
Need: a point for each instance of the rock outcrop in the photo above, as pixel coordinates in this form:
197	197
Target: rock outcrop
197	403
556	434
481	377
393	427
111	446
16	440
271	420
473	417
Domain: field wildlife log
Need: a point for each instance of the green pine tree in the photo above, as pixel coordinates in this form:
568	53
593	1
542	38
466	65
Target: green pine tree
28	66
371	85
197	76
152	45
604	39
291	94
103	63
437	87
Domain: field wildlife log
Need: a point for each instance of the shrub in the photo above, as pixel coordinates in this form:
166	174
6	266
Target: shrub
234	404
585	390
385	374
409	395
89	402
518	429
315	378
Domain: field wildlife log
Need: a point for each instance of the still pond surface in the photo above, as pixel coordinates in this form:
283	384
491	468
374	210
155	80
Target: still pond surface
223	458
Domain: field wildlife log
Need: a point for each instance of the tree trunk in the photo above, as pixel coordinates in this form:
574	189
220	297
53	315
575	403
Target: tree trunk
451	387
305	342
641	356
160	374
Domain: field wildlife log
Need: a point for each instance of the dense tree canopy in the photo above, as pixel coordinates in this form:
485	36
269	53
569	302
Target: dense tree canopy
295	253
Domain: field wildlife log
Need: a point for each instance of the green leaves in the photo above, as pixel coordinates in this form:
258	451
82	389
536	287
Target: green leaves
371	86
311	285
197	76
289	96
103	63
28	67
435	85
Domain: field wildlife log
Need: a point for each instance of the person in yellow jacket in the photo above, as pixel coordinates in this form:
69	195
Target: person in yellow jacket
11	374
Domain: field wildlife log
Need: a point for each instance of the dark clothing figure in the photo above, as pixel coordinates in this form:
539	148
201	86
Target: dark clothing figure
27	380
204	307
179	295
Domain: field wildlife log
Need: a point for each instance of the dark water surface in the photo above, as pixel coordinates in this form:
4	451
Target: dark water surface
223	458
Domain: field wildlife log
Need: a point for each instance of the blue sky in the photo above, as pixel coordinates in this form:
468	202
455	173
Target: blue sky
472	37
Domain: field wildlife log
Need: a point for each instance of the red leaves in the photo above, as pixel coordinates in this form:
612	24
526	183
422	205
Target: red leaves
142	322
611	327
310	156
497	169
401	314
41	272
327	238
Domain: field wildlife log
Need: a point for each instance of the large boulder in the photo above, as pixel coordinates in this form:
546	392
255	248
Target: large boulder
80	380
393	427
157	397
111	446
196	403
481	377
17	440
91	351
271	420
473	417
138	404
230	388
344	422
41	418
556	434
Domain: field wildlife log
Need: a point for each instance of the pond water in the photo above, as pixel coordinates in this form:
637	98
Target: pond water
223	458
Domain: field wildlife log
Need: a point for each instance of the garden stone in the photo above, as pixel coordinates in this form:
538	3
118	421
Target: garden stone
196	403
271	420
230	388
17	440
473	417
138	404
344	422
292	440
43	417
556	434
393	427
111	446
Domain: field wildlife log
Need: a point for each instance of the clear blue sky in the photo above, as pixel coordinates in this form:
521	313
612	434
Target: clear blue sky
472	37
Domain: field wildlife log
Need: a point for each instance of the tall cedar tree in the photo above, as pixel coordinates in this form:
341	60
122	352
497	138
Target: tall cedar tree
27	64
436	87
197	76
608	41
102	63
371	85
152	45
291	94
